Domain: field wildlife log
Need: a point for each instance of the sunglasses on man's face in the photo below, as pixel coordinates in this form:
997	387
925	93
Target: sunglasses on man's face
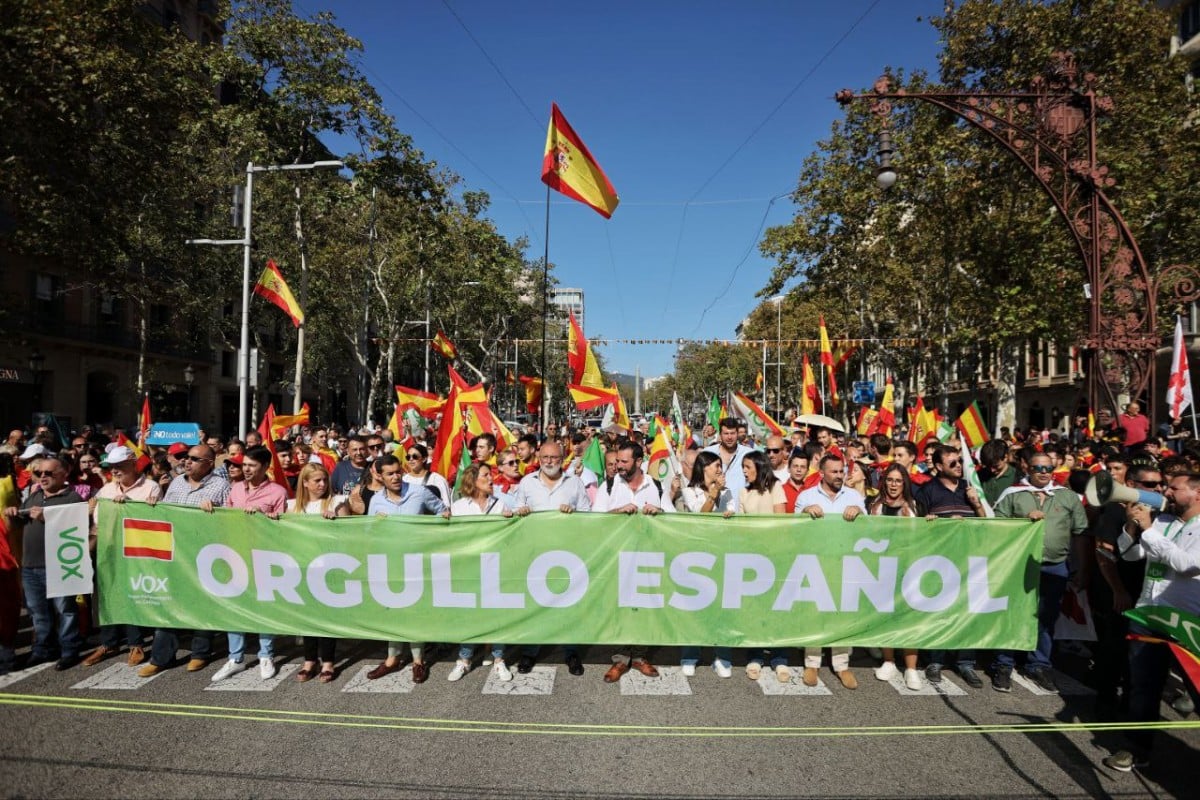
42	473
774	449
1043	468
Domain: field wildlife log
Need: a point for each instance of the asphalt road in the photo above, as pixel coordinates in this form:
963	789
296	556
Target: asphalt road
65	735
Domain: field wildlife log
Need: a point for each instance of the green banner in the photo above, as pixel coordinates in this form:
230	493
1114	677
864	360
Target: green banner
550	578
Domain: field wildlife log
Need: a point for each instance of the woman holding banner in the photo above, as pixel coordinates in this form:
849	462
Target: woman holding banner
895	499
706	493
477	499
763	494
313	496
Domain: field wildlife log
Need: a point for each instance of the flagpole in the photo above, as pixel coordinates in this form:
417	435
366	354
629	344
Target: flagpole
545	316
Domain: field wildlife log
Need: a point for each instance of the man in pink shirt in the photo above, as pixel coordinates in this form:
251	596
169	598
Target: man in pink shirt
256	494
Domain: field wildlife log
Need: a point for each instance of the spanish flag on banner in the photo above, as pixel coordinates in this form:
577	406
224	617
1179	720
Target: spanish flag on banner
568	167
145	538
443	345
274	288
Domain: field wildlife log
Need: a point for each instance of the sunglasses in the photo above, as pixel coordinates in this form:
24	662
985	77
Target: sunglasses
412	458
953	463
508	463
198	459
1042	468
774	449
1151	484
42	473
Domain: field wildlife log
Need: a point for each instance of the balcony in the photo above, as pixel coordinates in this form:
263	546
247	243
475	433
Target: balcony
159	342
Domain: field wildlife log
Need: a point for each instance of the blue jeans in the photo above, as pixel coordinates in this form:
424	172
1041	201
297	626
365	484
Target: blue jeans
49	614
166	644
1051	586
467	651
237	646
110	636
689	655
964	659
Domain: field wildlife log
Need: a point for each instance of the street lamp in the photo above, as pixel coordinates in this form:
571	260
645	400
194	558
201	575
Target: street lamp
189	377
37	363
778	301
244	242
886	177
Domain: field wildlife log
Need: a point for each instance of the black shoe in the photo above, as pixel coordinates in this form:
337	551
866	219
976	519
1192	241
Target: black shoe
66	662
574	665
1042	679
933	673
970	677
525	665
31	661
1002	679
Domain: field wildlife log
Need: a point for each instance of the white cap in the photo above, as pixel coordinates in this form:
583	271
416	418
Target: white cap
118	455
33	451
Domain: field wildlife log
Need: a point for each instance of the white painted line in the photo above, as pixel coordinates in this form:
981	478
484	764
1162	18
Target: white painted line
1067	686
22	674
118	676
946	688
670	680
539	681
772	686
248	680
397	683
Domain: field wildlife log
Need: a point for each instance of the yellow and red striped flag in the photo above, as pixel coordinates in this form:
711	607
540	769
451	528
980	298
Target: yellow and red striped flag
442	344
585	370
886	419
274	288
427	404
827	360
810	396
589	397
972	427
145	538
144	422
569	167
758	382
533	393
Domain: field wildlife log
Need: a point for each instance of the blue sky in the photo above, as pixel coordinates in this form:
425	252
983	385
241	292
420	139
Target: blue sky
664	94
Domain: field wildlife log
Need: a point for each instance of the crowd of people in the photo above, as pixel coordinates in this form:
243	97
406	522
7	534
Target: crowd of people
1122	554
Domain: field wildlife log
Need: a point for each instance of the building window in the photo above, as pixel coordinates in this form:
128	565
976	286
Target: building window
48	295
228	364
1189	21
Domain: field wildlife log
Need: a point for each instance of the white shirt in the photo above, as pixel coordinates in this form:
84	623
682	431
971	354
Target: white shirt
845	498
467	507
568	490
782	474
314	506
622	494
1176	551
735	481
431	479
694	498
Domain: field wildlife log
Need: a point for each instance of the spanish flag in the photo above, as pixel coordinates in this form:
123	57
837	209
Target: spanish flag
972	427
827	360
442	344
145	538
585	370
589	397
533	394
568	167
427	404
810	395
274	288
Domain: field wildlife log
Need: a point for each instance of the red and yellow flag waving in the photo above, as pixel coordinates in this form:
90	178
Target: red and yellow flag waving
585	370
589	397
442	344
427	404
827	360
274	288
568	167
533	394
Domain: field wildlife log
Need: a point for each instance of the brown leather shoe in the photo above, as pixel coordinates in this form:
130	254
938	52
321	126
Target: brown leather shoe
645	667
136	656
149	670
98	655
847	678
197	664
616	671
810	676
383	669
420	673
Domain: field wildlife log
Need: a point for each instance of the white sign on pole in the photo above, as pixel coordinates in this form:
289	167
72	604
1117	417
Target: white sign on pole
68	565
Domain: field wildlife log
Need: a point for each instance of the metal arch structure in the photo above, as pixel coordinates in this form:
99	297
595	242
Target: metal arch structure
1051	130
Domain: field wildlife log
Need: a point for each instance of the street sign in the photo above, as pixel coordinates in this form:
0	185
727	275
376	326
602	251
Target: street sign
864	392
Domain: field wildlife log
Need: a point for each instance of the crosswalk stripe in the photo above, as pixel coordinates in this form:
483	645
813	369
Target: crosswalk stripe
1067	686
21	674
249	680
397	683
538	681
945	688
120	676
772	686
670	681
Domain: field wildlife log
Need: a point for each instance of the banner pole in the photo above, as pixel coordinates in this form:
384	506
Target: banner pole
545	316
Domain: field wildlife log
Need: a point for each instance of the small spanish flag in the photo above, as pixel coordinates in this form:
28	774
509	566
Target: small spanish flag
274	288
972	427
443	345
145	538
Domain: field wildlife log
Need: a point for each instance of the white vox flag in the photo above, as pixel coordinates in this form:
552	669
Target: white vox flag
68	565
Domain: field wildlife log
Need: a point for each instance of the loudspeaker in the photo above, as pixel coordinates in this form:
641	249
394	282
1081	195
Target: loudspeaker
1102	489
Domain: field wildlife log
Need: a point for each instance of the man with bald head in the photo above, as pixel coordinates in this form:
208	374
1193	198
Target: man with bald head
777	455
551	489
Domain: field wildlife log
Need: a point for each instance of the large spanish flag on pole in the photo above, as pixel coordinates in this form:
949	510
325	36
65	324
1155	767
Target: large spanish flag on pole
273	287
827	360
569	167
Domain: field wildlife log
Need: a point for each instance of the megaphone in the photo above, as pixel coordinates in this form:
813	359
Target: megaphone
1103	489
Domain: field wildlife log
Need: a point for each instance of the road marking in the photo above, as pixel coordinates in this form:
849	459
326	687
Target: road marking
1067	686
946	688
396	683
22	674
538	681
670	680
118	676
248	680
91	703
772	686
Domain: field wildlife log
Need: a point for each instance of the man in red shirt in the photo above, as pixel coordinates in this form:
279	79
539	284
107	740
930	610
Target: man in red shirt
1136	426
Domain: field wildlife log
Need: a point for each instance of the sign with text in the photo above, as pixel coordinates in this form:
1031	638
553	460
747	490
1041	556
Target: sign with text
68	564
583	578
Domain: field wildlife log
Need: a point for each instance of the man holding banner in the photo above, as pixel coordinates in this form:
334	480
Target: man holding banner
50	613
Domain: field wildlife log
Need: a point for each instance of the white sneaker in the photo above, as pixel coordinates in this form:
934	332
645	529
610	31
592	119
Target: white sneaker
912	679
266	668
461	668
231	668
722	669
886	671
501	670
688	670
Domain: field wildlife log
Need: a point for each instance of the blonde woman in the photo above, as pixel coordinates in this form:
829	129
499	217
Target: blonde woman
313	496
